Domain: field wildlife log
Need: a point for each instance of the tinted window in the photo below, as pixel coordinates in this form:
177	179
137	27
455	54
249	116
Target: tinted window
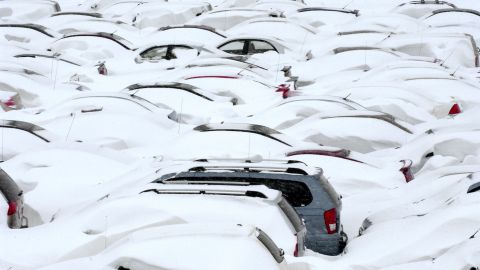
234	47
182	51
256	46
156	53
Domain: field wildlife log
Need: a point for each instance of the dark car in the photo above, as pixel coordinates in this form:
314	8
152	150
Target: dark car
13	195
305	188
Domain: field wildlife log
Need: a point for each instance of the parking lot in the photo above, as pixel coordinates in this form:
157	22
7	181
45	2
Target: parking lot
239	134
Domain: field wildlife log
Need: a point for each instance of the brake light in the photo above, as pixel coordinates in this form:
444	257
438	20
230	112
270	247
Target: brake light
284	89
10	103
406	170
102	68
295	251
12	208
330	217
455	109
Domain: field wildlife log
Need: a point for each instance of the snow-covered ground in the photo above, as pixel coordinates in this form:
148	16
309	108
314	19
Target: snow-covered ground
381	79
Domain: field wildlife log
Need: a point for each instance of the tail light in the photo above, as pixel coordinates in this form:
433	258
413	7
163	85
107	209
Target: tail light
102	69
330	217
12	208
284	89
295	251
10	103
455	109
406	170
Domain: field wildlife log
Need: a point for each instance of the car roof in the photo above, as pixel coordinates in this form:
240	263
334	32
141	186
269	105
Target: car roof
26	126
202	27
88	14
240	127
256	191
115	38
36	27
285	166
463	10
354	12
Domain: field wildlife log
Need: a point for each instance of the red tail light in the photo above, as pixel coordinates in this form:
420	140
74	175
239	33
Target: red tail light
10	103
455	109
12	208
406	170
284	89
295	252
330	217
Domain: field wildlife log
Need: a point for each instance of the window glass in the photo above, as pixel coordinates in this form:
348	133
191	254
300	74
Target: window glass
256	46
183	52
156	53
235	47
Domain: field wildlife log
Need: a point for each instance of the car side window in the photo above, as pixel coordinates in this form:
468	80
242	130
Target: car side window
177	51
156	53
234	47
258	46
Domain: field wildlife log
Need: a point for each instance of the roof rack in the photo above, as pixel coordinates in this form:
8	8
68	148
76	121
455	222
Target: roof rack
247	168
280	161
247	193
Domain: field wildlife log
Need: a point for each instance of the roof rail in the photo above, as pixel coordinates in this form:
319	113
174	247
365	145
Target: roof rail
248	168
281	161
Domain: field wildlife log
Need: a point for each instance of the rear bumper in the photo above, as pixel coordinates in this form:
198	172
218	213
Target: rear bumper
327	244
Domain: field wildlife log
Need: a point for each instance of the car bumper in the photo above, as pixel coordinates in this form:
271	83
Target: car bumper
331	244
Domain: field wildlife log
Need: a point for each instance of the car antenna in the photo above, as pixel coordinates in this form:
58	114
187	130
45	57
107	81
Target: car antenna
446	58
455	71
346	98
134	93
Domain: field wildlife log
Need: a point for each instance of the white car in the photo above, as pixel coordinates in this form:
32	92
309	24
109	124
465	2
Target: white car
255	205
189	246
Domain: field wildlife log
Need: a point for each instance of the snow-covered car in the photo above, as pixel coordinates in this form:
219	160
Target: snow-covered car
280	28
186	33
192	104
330	128
154	14
173	50
296	108
420	8
26	35
217	18
304	187
27	11
13	196
215	140
188	246
256	205
248	45
120	119
20	136
321	16
92	46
